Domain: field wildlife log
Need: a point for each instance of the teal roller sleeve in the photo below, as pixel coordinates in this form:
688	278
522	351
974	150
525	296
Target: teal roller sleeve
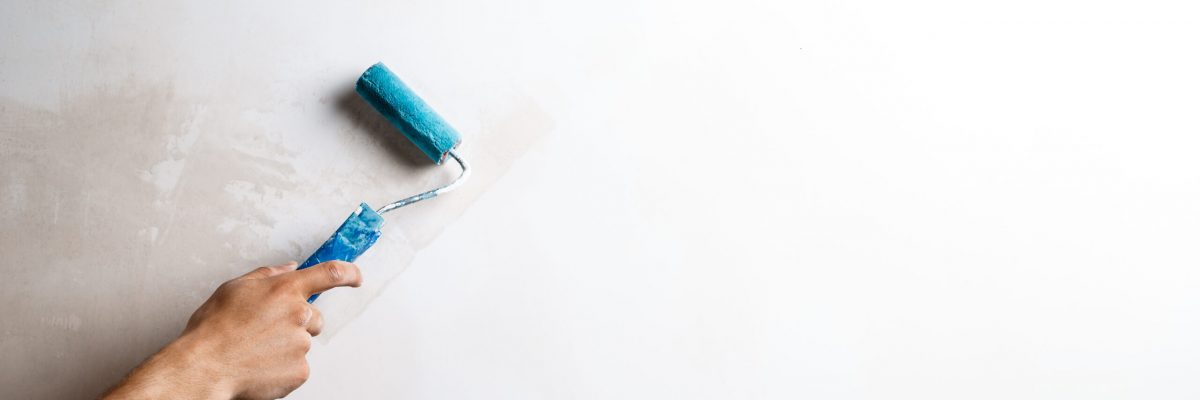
351	240
392	98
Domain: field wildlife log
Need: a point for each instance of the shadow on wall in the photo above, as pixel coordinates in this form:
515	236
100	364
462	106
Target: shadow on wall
365	118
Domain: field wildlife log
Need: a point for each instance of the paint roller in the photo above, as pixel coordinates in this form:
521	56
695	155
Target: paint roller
421	125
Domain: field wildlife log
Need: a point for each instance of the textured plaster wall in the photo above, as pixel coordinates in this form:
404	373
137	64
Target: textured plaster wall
673	199
151	151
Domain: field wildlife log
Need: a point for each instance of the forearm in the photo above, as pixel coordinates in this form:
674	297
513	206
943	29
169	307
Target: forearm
178	371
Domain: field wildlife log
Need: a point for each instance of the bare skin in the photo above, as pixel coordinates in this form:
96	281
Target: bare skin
248	341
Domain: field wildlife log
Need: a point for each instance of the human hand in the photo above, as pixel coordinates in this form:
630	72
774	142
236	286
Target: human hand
247	341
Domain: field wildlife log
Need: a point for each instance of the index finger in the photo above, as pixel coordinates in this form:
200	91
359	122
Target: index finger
269	271
325	276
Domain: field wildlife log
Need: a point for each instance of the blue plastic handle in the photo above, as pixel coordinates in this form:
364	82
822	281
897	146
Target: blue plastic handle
351	240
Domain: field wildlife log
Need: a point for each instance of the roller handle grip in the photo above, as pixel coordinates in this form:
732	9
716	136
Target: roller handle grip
331	251
351	240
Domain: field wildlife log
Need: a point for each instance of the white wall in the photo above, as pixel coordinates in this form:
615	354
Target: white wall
834	200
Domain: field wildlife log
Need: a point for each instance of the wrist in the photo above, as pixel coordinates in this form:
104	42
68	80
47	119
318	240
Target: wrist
185	367
194	363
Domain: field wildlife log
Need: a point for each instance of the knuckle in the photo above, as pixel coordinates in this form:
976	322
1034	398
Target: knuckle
336	270
294	379
225	287
226	291
341	271
306	343
301	314
302	373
